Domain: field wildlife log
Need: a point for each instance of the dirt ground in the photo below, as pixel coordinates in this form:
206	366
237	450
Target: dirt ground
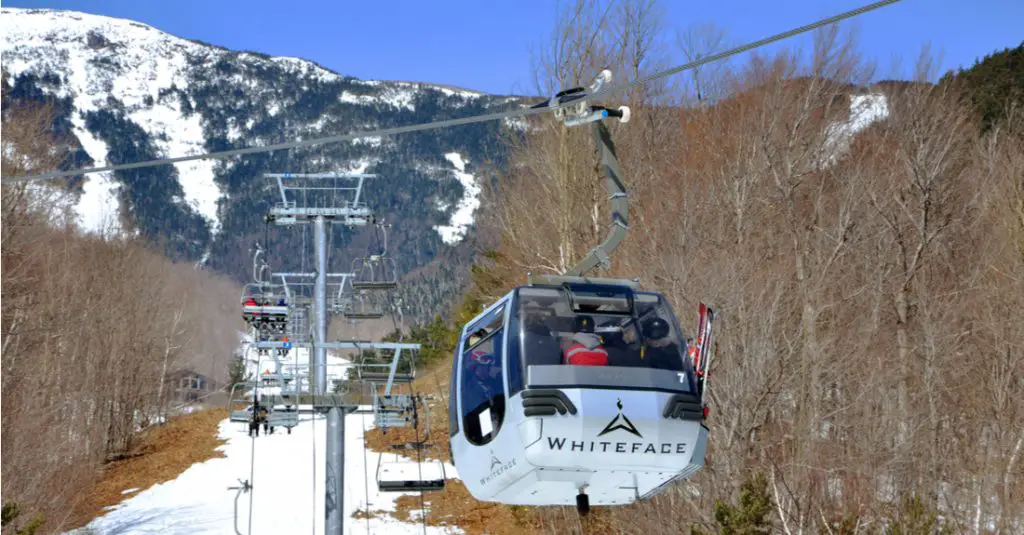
161	454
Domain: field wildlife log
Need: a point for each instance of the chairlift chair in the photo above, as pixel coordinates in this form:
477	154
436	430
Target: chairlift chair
378	373
393	410
263	310
289	385
390	408
374	272
409	476
239	402
339	304
286	416
362	308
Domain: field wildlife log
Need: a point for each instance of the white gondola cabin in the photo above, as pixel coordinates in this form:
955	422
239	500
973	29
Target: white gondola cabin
576	391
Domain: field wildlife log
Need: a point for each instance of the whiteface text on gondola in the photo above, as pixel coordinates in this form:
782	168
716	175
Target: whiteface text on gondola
560	444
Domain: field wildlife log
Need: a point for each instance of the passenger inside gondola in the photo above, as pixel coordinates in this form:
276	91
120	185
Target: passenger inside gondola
659	349
483	390
586	348
598	329
539	341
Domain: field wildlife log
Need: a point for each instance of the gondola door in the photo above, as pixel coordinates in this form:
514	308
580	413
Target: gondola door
481	377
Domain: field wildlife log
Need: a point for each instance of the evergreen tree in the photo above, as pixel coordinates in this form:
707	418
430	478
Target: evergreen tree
11	512
751	515
993	84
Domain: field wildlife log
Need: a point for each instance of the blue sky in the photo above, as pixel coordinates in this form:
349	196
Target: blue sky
485	44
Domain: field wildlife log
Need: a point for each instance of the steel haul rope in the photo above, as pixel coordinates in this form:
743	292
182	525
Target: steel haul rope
511	114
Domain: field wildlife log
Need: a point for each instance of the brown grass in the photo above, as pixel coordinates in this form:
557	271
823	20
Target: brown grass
161	453
454	506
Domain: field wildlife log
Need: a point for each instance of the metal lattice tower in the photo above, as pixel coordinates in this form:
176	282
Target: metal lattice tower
319	199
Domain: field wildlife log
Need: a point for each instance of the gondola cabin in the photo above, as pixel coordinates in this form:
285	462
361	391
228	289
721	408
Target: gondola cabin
574	390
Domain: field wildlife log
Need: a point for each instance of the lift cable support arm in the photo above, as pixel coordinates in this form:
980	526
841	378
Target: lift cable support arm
600	255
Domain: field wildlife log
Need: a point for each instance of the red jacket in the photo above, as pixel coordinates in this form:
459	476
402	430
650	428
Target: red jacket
580	355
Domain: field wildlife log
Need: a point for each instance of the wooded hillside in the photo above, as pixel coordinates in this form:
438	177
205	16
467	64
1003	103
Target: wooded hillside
92	329
870	355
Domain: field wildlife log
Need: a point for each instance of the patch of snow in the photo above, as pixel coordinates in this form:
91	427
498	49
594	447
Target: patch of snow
373	141
185	138
97	208
234	132
351	98
864	110
131	490
298	65
99	56
360	165
320	123
469	95
395	96
463	216
288	487
516	123
399	98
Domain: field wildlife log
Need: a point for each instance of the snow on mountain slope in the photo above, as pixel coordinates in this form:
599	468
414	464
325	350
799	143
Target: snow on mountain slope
97	207
287	474
100	57
864	110
463	216
188	97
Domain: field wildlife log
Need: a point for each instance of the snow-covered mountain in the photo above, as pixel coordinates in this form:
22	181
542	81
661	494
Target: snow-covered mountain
129	92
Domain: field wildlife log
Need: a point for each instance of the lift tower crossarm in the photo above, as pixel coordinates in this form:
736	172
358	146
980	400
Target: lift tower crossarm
351	212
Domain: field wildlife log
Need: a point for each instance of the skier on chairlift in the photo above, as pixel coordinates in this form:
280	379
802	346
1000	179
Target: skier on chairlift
254	422
267	429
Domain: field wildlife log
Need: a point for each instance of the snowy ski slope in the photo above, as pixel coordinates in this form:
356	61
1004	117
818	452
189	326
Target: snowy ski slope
288	488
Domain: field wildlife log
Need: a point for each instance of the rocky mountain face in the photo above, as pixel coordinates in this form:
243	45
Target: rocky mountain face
128	92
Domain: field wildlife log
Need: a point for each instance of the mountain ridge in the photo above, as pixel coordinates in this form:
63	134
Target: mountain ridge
130	92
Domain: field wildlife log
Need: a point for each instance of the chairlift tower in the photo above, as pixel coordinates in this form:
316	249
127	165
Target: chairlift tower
318	199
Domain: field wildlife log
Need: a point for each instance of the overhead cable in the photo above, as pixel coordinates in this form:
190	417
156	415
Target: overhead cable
511	114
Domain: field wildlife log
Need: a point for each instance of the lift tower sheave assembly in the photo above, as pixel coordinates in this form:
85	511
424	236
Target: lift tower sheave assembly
318	199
